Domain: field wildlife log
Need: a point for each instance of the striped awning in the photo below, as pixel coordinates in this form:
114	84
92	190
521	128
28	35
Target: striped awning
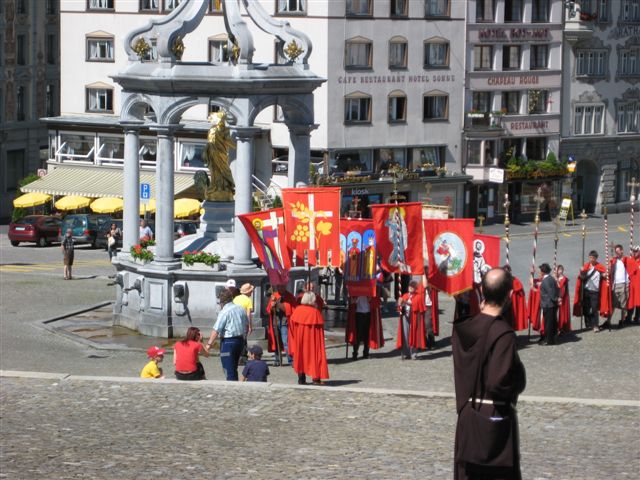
95	182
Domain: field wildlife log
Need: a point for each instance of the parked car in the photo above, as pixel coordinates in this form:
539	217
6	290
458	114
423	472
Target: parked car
184	227
101	239
41	229
84	227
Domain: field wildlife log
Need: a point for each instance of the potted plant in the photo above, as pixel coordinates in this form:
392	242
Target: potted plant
441	171
199	260
140	254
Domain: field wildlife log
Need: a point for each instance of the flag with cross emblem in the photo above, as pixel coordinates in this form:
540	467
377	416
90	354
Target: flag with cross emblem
312	223
267	234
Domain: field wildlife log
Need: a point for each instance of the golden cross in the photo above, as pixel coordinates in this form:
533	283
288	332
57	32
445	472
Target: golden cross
538	199
506	204
481	219
584	217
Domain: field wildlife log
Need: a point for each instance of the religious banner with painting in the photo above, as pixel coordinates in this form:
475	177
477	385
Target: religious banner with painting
312	223
486	255
398	229
358	245
450	254
267	234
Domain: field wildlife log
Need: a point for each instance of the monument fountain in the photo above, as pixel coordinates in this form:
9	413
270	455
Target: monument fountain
161	298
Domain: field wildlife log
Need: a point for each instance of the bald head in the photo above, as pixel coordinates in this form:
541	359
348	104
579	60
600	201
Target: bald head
496	286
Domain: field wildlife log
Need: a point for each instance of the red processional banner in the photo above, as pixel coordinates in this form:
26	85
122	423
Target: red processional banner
449	244
358	246
486	255
267	234
312	223
398	229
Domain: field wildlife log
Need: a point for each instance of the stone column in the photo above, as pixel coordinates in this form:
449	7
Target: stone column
164	193
243	171
131	187
299	154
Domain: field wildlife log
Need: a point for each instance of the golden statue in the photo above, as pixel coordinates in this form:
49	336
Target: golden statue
216	157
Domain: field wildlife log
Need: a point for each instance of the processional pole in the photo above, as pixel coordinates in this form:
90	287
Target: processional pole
606	248
507	223
556	221
583	217
632	200
538	199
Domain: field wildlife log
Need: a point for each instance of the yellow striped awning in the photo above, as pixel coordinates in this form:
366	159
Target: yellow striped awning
96	182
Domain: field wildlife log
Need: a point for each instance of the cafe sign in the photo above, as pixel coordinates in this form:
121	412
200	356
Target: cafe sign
506	81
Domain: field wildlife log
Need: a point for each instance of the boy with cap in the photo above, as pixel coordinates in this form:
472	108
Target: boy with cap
256	369
151	369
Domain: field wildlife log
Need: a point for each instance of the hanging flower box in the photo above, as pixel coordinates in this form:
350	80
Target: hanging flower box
199	260
201	266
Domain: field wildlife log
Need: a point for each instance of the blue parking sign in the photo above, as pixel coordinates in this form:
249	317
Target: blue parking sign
145	191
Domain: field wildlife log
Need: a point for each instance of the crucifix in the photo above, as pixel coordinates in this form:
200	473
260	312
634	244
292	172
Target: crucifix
556	222
481	219
632	200
354	211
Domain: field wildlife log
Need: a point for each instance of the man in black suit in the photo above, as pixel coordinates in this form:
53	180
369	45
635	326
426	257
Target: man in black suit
549	293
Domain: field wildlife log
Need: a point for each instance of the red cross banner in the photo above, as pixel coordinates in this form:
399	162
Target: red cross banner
486	254
358	245
398	229
450	244
267	234
312	223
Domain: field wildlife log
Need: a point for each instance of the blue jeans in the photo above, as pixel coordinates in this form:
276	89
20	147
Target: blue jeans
284	335
230	351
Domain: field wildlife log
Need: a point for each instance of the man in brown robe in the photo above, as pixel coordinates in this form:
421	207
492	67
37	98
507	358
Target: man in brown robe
487	341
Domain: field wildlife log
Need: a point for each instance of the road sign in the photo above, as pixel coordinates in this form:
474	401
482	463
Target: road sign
145	192
496	175
42	172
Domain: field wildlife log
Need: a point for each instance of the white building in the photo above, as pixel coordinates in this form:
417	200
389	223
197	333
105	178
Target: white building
394	71
601	101
513	99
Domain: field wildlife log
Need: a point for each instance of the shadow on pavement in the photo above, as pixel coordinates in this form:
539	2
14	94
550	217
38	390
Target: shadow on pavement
340	383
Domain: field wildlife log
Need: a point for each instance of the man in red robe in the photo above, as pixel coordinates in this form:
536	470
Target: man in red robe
309	357
519	313
634	286
280	308
564	304
592	292
412	335
320	303
364	325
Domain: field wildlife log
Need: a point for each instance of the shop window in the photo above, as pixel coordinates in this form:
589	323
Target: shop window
628	117
397	107
386	158
100	4
399	8
100	49
485	10
435	107
511	57
219	49
215	6
540	11
110	149
588	119
539	57
436	8
629	62
481	101
291	6
511	102
398	48
358	53
536	148
190	155
482	57
357	108
436	54
591	63
512	10
631	10
350	161
359	8
99	100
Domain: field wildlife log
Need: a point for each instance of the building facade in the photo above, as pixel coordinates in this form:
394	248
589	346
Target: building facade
601	101
512	101
392	100
29	89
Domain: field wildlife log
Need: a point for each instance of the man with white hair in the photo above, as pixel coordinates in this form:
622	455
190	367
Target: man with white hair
307	341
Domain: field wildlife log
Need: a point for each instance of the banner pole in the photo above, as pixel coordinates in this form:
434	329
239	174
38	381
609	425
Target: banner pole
507	223
538	199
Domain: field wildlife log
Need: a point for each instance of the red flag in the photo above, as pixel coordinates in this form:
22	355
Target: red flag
312	224
398	229
267	234
450	254
486	254
358	245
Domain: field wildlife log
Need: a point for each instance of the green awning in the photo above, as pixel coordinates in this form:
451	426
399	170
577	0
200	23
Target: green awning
97	182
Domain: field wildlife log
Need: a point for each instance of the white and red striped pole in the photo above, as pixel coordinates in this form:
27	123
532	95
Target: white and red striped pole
507	223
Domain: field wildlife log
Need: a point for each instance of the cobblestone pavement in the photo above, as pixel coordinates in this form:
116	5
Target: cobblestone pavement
69	429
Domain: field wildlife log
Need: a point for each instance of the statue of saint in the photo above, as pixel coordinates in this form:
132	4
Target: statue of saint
216	157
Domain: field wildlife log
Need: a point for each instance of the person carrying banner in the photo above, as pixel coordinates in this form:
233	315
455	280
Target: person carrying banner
518	314
411	325
549	295
595	299
309	356
364	325
634	290
621	269
280	308
564	302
